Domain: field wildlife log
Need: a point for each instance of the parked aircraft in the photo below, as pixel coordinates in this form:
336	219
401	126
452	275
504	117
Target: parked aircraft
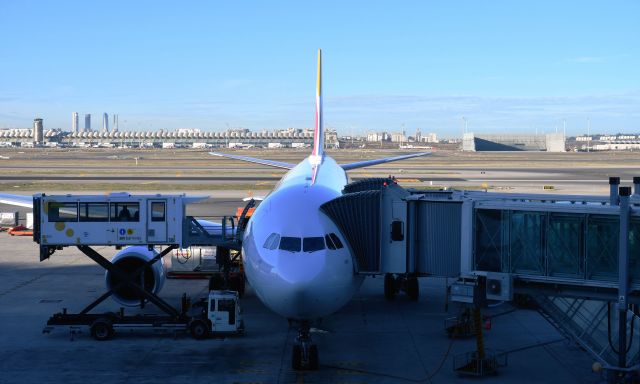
295	258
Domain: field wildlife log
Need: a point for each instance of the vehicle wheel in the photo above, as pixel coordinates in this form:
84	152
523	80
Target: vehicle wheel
296	358
216	282
313	358
389	286
101	330
199	329
413	288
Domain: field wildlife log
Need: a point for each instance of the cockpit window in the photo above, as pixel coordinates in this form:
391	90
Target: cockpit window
272	241
312	244
336	240
330	244
291	244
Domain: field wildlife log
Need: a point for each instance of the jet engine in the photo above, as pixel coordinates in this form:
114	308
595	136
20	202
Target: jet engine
129	260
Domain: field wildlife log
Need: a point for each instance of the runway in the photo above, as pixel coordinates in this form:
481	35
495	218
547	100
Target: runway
180	170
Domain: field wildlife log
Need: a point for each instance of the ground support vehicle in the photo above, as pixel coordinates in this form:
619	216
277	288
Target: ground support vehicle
218	313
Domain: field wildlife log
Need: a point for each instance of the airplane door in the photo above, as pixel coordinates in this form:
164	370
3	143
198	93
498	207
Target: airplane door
157	221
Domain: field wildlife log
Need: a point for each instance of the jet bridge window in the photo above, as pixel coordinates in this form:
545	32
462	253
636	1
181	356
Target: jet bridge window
291	244
272	241
313	244
62	211
94	211
125	211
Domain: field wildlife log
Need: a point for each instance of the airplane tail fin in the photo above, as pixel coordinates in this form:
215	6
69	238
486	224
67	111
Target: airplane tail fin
318	132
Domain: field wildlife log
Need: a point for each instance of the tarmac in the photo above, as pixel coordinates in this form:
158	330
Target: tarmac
370	340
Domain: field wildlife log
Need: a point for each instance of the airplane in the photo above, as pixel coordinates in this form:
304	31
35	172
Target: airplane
295	258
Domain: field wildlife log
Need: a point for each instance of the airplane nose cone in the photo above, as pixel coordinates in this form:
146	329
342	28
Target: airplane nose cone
300	268
304	298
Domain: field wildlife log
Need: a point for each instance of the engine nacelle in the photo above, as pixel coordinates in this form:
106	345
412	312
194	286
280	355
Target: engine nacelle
129	260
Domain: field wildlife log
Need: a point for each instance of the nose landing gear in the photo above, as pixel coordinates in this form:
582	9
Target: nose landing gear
305	353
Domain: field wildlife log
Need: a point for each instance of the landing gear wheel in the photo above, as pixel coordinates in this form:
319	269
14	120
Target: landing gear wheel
389	286
216	282
313	358
296	358
102	329
199	329
413	288
305	354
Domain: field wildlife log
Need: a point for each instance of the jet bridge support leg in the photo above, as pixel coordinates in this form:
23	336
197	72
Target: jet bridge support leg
482	361
128	279
621	372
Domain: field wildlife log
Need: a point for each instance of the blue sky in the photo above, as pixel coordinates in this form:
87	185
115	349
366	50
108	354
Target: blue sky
507	66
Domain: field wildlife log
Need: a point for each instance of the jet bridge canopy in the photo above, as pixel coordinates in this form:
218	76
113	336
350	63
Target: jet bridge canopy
391	232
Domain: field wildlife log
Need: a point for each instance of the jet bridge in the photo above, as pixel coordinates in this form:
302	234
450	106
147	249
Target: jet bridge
564	241
122	219
574	255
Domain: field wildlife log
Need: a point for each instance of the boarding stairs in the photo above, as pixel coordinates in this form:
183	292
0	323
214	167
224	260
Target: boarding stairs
592	324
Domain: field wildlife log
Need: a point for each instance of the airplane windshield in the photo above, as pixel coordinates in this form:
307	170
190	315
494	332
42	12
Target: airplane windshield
272	241
291	244
313	244
336	240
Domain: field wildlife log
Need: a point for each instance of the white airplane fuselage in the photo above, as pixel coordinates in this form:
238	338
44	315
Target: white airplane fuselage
300	285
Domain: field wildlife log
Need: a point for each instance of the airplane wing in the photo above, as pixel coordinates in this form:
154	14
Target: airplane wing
271	163
18	200
361	164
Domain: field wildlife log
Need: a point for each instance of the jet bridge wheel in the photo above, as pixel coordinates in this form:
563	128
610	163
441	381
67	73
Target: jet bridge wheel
413	288
389	286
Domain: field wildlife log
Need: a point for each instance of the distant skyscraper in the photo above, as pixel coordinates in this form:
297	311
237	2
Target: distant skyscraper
87	122
105	122
74	122
114	126
38	131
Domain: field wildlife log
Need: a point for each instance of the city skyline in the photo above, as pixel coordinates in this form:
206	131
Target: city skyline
505	67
